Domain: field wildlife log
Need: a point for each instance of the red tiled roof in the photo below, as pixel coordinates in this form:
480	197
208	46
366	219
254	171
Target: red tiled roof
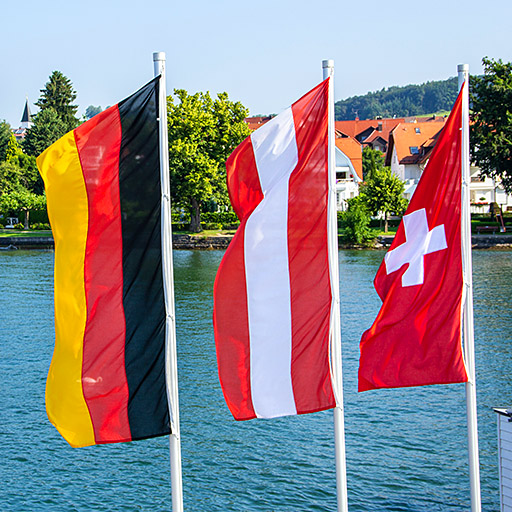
354	128
374	136
255	122
413	135
354	151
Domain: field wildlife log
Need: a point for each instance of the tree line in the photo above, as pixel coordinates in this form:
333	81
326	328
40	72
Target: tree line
203	131
410	100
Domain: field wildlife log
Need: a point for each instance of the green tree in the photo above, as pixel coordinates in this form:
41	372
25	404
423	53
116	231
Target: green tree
382	192
21	200
202	134
29	174
13	149
5	135
17	185
58	94
491	127
91	111
355	223
9	177
20	172
373	159
48	127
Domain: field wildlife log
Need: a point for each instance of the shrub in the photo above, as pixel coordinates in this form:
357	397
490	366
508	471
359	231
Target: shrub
19	226
219	217
211	225
39	226
355	223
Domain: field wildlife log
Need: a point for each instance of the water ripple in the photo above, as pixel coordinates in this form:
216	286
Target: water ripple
406	448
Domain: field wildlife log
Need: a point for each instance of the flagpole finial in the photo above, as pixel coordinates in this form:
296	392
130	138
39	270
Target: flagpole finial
328	68
463	73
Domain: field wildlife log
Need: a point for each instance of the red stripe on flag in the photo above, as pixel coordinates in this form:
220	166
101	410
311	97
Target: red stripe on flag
230	319
308	255
243	182
103	372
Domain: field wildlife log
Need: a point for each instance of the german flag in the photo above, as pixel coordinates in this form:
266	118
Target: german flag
106	382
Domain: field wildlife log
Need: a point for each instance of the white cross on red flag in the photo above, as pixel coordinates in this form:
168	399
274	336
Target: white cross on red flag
416	337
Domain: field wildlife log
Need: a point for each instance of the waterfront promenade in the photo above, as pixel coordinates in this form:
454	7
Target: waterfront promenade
182	241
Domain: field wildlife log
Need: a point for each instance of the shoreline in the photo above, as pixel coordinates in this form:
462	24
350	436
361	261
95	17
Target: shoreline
180	241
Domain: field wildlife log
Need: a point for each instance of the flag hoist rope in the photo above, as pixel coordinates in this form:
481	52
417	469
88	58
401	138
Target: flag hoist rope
171	366
467	314
335	331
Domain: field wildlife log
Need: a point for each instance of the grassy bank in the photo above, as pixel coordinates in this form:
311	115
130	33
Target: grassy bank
16	233
33	233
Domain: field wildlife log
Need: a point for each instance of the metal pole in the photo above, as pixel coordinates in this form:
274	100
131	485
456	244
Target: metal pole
336	367
467	314
171	366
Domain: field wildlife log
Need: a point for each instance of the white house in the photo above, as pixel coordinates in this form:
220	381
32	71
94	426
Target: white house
349	169
409	149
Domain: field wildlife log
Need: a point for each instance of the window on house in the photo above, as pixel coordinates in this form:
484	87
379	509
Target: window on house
414	150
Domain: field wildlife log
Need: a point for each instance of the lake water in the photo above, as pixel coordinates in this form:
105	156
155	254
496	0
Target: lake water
406	448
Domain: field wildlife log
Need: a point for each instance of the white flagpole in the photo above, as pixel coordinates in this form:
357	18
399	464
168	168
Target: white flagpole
468	326
171	366
336	366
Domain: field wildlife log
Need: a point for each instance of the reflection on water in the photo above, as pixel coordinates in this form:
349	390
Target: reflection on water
406	449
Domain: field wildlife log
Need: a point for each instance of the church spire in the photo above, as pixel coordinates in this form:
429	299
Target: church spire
26	119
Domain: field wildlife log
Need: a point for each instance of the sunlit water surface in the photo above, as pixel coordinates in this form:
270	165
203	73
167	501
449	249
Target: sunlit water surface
406	448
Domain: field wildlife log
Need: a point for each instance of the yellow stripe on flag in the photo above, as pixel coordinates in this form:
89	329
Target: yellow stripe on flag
67	203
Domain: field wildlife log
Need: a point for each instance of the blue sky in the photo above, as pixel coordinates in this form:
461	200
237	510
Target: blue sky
265	54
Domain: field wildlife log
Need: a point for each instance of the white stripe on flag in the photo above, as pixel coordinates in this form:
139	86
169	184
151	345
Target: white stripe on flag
267	270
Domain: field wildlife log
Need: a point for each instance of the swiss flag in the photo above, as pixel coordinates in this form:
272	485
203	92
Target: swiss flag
416	337
272	293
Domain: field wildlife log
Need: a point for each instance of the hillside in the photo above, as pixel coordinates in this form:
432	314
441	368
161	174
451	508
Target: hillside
409	100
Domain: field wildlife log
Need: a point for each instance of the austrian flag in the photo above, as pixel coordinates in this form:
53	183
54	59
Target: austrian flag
272	294
416	337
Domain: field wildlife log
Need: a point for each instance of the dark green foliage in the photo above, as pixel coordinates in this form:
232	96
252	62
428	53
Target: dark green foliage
48	127
58	94
411	100
355	223
491	128
5	135
9	177
91	111
373	159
